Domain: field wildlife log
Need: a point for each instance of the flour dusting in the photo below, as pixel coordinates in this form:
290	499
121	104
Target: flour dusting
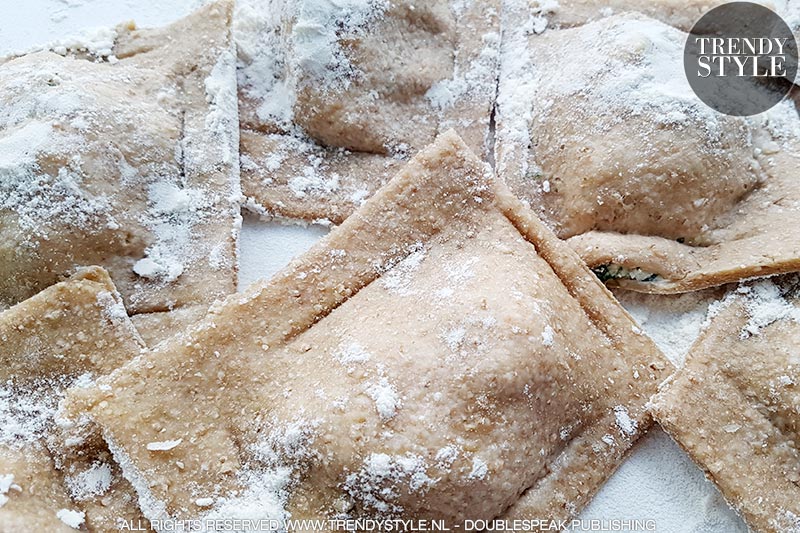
71	517
94	481
387	400
765	303
625	423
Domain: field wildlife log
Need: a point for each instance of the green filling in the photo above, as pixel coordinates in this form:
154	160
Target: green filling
612	271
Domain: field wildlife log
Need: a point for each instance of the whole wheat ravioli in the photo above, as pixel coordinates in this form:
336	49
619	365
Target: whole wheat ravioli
654	189
683	14
126	159
335	96
734	405
439	355
158	327
55	340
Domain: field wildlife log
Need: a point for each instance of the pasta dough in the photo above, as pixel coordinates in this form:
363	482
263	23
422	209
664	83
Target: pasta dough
734	406
655	190
158	327
335	96
681	14
128	161
440	355
53	341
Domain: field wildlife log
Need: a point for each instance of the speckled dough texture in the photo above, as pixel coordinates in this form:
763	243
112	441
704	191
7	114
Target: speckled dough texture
125	158
683	14
154	328
649	185
335	96
440	355
52	341
734	405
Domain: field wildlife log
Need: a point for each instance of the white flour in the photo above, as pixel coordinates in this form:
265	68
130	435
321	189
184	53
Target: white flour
673	322
661	483
94	481
72	518
271	61
385	396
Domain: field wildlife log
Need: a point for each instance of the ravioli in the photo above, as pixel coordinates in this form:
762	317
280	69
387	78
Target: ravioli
682	14
440	355
656	191
734	406
335	96
126	160
52	341
561	14
158	327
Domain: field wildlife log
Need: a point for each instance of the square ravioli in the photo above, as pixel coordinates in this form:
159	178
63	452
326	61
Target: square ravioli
735	406
440	355
52	341
126	160
335	96
655	190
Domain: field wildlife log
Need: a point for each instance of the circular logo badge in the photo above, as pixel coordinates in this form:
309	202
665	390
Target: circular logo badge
740	58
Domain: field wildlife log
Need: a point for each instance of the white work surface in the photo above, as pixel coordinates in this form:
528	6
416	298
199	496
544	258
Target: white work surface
657	482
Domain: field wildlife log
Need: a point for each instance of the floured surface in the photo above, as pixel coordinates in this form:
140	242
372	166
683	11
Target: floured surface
268	246
733	407
653	189
335	97
673	321
124	157
58	339
334	419
44	21
660	483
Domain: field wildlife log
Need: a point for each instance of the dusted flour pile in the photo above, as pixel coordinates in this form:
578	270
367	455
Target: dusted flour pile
129	163
765	302
766	305
97	43
28	413
327	119
278	459
93	481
